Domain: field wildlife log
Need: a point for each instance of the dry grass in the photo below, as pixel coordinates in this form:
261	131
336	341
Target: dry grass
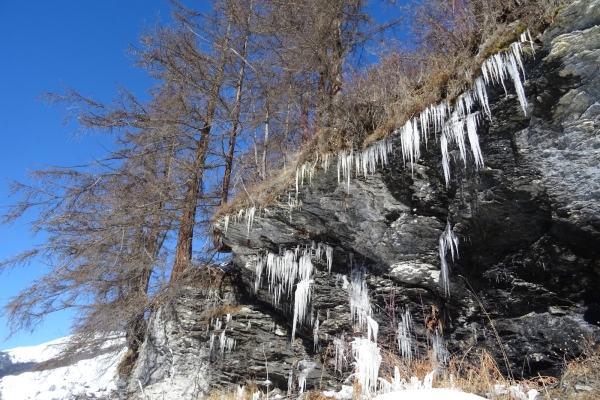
231	393
382	98
479	374
220	311
581	376
260	195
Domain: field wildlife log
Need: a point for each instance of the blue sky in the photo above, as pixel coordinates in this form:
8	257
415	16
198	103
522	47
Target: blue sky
81	43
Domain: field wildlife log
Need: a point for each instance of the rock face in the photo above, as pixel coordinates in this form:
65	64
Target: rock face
525	283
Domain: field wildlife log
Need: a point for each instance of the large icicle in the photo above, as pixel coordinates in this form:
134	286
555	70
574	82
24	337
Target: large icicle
471	122
360	304
448	241
367	362
482	97
329	256
404	335
250	217
302	298
409	135
445	157
340	354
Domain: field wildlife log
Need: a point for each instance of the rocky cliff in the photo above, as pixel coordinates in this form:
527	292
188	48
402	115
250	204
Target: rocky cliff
524	284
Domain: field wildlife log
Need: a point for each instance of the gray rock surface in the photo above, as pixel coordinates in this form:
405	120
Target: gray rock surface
528	225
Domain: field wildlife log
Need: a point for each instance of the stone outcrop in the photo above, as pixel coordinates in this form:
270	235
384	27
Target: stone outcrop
528	225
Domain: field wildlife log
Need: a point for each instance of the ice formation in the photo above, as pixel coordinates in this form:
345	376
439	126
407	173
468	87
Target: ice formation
340	353
405	336
305	367
438	346
363	162
329	256
226	344
306	169
316	334
367	361
250	217
360	305
450	122
301	300
448	241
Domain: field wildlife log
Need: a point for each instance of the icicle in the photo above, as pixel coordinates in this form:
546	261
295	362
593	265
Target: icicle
514	59
305	367
360	305
448	241
226	222
305	268
455	129
302	298
367	361
424	118
329	255
440	353
471	123
404	335
339	345
481	93
250	217
316	334
258	269
372	329
410	143
445	158
345	166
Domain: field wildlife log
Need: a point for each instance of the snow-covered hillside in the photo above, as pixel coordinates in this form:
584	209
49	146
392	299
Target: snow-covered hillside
90	377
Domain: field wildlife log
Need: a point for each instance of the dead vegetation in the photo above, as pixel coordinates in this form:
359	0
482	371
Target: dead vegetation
450	42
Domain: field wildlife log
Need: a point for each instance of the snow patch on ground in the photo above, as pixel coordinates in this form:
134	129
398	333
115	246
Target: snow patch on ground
428	394
92	377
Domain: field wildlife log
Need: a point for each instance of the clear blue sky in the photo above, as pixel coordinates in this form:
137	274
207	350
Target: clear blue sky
81	43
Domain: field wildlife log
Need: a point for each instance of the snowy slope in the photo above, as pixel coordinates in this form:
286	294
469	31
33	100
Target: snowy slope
91	377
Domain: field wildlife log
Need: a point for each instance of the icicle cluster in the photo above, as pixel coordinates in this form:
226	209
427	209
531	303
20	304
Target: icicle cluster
225	344
448	241
450	122
405	335
305	170
305	367
340	353
367	362
360	304
396	384
363	162
301	300
440	353
292	267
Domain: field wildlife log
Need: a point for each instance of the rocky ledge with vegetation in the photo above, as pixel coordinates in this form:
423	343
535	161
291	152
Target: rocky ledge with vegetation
523	261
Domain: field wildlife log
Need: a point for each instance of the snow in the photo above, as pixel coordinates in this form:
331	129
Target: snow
42	352
428	394
90	377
